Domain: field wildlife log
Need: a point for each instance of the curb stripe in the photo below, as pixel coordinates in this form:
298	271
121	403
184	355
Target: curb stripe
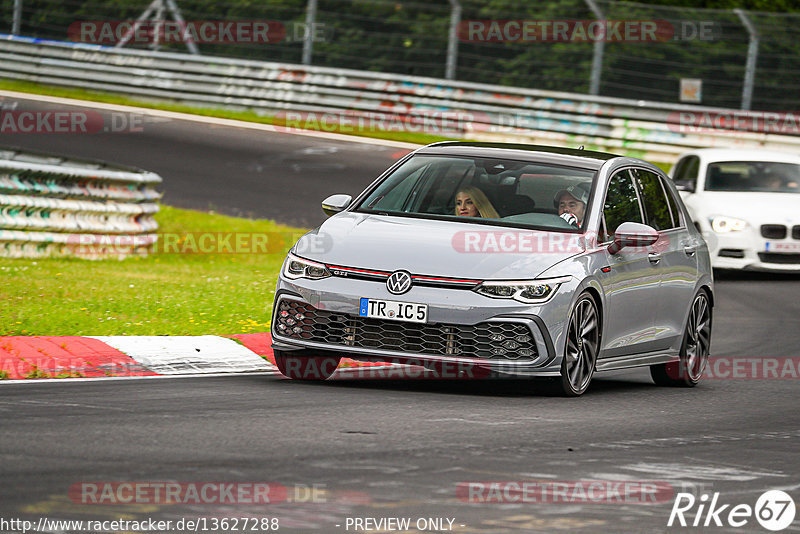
22	356
169	355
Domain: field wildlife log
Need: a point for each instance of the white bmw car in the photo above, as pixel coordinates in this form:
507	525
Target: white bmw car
746	203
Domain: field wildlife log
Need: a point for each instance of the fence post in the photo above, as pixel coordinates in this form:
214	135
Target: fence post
308	43
752	56
17	20
599	48
452	40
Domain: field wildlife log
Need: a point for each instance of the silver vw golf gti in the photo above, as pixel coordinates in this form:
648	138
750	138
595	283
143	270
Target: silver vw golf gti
514	260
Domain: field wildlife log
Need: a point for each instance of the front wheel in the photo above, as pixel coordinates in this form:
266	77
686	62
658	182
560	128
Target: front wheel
688	370
582	346
301	367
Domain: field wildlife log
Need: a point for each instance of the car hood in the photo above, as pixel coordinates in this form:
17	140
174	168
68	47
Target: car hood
439	248
756	207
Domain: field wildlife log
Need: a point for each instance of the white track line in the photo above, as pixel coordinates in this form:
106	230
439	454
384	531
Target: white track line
207	120
150	377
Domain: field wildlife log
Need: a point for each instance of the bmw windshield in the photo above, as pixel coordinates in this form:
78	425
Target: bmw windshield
753	176
485	191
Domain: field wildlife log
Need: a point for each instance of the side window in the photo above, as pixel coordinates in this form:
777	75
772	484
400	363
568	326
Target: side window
686	170
657	212
673	206
621	205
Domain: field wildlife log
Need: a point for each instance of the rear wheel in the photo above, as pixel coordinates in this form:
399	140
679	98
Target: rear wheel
582	346
688	370
298	366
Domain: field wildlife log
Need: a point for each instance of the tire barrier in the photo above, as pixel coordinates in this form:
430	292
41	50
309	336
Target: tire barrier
55	207
652	130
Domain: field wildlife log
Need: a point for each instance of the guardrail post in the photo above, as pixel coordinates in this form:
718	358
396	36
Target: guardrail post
599	49
308	43
17	19
752	56
452	40
176	15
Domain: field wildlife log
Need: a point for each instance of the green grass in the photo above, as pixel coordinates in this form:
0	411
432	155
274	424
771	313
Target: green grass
169	294
248	116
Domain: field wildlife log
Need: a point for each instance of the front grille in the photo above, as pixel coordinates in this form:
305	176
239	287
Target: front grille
773	231
796	232
499	341
779	257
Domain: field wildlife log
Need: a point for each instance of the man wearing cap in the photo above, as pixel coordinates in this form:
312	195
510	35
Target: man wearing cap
571	203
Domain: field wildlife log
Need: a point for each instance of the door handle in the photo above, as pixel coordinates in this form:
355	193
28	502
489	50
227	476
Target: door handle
654	257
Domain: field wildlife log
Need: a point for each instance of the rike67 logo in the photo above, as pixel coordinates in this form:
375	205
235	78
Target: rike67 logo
774	510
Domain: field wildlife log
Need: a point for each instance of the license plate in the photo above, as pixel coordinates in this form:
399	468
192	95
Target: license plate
393	310
779	246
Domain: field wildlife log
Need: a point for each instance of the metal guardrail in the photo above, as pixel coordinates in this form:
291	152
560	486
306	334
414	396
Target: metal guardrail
486	112
51	206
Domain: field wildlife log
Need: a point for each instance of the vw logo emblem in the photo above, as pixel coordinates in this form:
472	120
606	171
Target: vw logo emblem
398	282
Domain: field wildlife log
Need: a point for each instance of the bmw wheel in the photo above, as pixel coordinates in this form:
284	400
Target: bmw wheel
688	370
300	367
582	346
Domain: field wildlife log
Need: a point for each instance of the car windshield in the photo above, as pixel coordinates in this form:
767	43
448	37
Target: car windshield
760	176
484	191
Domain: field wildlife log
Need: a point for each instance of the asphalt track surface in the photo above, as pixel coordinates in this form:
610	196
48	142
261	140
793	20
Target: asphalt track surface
385	448
228	170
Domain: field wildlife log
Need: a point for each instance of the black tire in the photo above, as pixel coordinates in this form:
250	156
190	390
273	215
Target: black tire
299	366
695	348
581	347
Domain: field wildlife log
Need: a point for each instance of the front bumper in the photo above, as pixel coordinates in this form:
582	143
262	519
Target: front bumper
754	252
454	315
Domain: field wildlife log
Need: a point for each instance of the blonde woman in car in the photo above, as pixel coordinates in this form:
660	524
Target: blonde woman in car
472	202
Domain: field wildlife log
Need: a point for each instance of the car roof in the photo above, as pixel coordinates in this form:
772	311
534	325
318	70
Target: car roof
573	157
710	155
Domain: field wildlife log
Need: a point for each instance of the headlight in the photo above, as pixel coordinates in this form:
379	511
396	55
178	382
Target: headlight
723	225
296	267
527	291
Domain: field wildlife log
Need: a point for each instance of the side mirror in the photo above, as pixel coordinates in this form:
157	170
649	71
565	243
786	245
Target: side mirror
335	203
685	185
631	234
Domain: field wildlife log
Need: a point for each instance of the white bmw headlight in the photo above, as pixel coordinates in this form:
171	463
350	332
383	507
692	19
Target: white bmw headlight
527	291
297	267
723	225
